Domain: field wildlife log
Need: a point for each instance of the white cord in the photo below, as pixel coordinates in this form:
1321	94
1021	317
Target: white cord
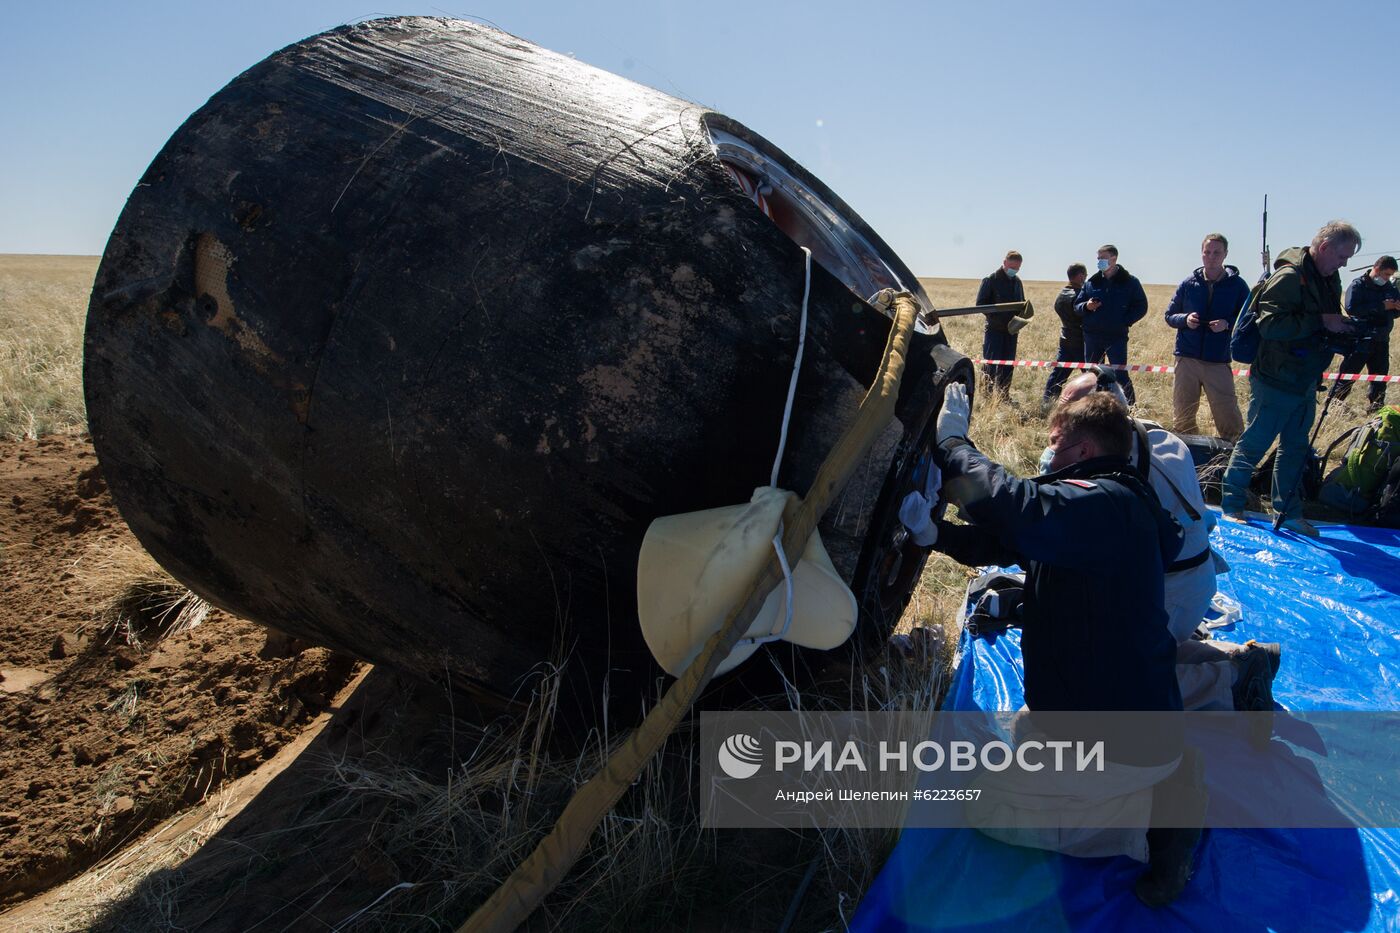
796	365
787	583
778	462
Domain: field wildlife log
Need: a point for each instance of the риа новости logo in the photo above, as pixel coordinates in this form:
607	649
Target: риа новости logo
740	756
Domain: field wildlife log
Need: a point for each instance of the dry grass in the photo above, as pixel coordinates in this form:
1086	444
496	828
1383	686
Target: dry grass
650	865
43	300
440	843
131	597
462	838
141	872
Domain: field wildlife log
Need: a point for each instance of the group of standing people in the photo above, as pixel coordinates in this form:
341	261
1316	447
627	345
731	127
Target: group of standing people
1300	301
1095	315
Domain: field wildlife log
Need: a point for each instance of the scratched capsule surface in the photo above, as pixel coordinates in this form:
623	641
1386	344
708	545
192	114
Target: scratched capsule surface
405	337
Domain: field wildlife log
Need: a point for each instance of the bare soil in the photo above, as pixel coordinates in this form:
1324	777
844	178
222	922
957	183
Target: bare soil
227	778
109	729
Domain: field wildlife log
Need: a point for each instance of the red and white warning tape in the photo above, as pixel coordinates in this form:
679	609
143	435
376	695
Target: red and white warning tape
1142	368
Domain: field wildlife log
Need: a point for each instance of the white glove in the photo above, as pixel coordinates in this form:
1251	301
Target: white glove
916	514
916	511
954	416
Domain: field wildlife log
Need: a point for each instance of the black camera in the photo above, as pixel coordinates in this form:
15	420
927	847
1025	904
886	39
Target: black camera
1355	340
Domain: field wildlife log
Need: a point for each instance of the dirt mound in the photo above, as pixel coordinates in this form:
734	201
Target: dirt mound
111	721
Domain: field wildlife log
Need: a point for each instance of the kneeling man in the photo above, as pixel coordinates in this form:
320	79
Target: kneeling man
1095	544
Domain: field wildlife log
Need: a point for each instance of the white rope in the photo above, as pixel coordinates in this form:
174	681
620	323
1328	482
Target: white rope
787	584
778	462
796	365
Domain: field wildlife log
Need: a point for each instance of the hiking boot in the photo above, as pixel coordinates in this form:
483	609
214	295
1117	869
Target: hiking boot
1255	668
1171	862
1273	650
1253	690
1301	526
1171	851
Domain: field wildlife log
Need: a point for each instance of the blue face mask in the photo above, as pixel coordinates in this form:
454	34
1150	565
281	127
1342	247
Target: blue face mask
1010	272
1104	264
1045	457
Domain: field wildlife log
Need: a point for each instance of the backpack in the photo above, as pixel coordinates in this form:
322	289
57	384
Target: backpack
1373	449
1244	338
1368	466
1211	455
1387	508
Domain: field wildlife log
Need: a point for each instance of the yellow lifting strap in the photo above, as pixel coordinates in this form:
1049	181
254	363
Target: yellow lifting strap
534	878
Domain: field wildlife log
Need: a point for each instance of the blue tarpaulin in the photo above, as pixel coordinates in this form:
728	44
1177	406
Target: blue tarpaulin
1334	604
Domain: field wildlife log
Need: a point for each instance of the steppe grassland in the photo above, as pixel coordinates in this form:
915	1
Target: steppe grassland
43	300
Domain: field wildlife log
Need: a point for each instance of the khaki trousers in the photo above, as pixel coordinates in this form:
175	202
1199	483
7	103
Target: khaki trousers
1062	812
1193	375
1203	669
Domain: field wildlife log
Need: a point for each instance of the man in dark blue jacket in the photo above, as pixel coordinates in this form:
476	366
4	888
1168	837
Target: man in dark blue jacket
999	341
1071	332
1083	602
1093	628
1203	311
1111	302
1373	299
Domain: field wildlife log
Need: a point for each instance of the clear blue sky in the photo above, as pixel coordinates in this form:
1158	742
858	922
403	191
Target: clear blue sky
957	130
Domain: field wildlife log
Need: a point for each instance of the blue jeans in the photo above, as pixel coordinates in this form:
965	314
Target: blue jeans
1273	413
1096	346
997	345
1071	351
